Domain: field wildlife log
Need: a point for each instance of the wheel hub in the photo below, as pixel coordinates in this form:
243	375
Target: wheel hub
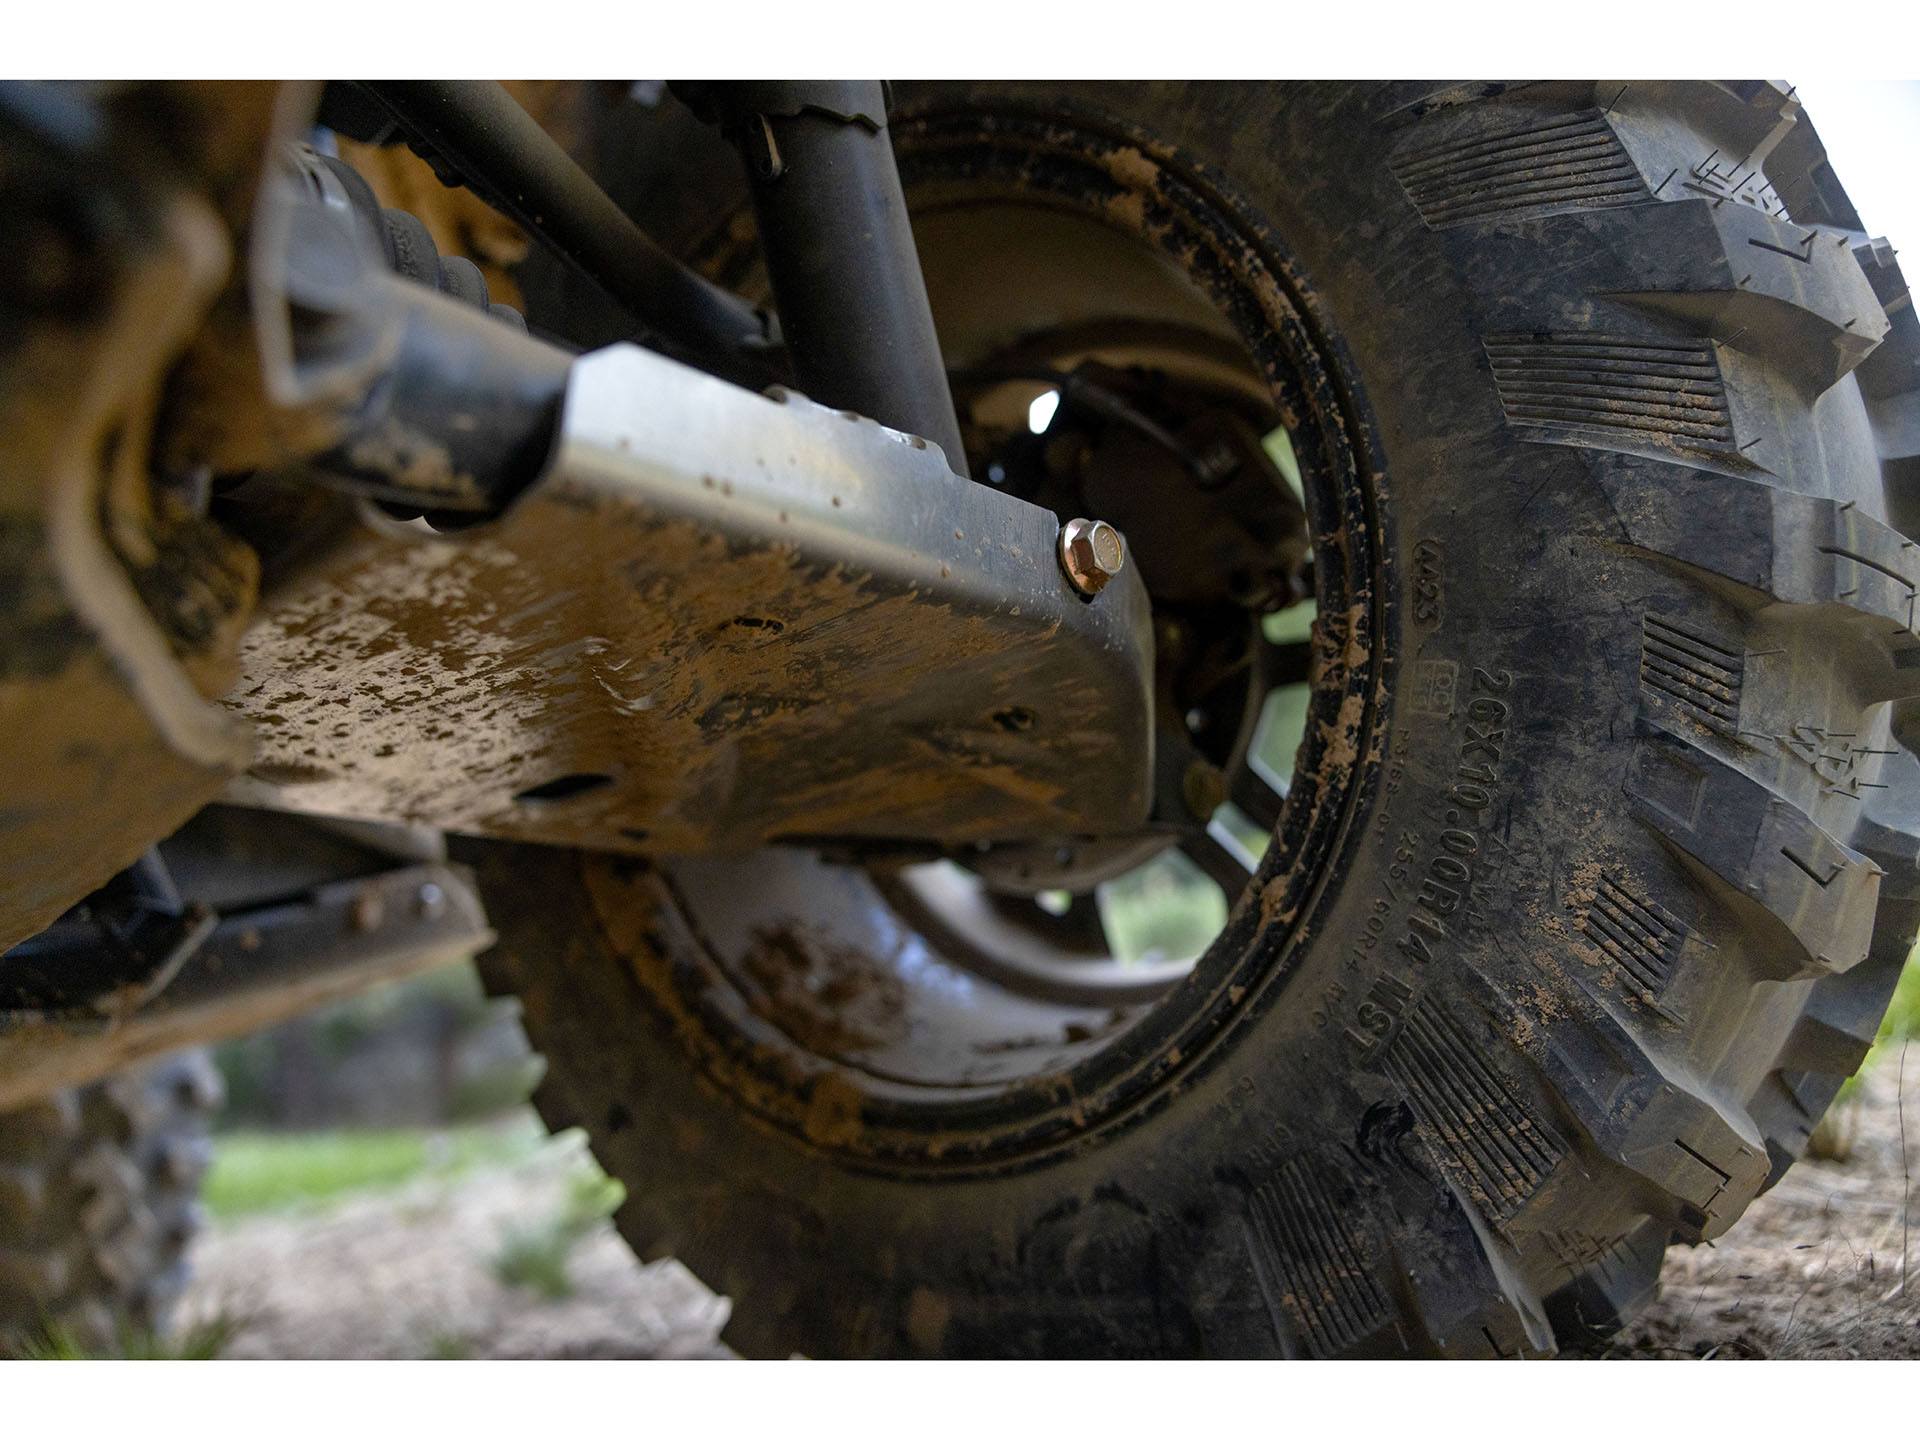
1013	999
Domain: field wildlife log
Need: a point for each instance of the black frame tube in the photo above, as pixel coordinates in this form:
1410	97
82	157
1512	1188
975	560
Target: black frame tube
839	251
479	131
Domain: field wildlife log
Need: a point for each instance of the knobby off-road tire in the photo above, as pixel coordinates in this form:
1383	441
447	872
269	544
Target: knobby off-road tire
1625	867
99	1200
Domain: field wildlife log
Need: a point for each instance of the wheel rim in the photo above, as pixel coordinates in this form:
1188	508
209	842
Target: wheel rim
829	998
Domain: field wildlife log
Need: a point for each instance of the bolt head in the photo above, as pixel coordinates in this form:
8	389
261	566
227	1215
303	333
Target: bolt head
1092	552
1204	788
368	909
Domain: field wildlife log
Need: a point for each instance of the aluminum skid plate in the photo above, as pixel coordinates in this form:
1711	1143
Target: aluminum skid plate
719	619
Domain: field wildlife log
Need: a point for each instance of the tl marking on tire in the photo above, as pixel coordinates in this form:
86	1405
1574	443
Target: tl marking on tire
1379	1013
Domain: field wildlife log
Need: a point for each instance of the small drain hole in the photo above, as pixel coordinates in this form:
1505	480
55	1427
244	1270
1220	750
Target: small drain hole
565	787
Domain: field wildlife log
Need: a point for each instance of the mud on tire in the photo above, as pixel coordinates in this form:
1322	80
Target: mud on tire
99	1201
1628	868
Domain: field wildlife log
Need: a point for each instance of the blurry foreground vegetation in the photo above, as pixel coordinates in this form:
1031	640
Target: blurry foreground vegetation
206	1340
255	1171
535	1257
1901	1025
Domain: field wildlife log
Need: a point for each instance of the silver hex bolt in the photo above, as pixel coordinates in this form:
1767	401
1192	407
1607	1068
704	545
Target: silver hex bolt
1092	553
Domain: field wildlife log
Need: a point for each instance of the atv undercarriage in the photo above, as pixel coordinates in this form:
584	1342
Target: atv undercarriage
1441	545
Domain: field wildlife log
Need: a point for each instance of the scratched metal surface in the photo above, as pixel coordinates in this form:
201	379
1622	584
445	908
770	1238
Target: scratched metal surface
755	617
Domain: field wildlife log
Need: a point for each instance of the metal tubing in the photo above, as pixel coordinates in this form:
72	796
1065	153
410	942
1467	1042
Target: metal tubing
479	131
462	419
839	250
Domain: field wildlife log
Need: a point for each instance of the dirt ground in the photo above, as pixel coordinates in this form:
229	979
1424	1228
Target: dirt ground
408	1274
1813	1270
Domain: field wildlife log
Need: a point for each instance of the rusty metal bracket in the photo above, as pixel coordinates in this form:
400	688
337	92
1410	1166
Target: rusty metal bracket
122	603
261	964
718	620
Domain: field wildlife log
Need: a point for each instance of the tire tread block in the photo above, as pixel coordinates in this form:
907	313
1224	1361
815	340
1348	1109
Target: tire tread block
1308	1263
1644	1111
1489	1141
1784	547
1488	167
1642	939
1760	852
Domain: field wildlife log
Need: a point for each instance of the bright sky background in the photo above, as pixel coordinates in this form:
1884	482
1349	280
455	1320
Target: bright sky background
1871	129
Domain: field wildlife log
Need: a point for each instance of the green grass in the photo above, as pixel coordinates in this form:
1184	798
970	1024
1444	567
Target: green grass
1903	1015
256	1171
1901	1024
449	1345
1832	1138
536	1257
207	1340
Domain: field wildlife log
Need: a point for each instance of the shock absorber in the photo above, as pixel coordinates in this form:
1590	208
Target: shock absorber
407	244
462	411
